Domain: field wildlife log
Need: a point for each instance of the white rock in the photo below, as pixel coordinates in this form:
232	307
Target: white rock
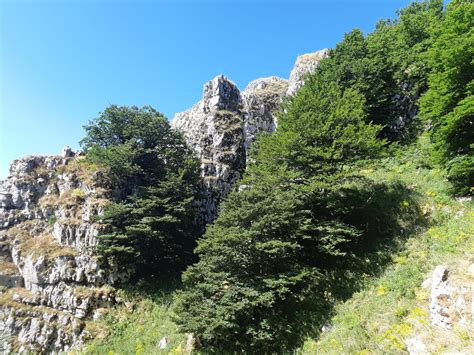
440	298
163	343
415	346
305	64
65	285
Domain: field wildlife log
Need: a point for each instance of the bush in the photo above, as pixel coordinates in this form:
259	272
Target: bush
52	220
78	193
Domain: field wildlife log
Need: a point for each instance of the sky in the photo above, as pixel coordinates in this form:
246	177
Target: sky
62	62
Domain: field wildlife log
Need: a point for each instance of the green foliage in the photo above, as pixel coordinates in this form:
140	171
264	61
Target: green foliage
449	102
392	307
78	193
136	145
138	327
322	130
52	220
305	218
274	242
151	225
153	231
322	208
387	66
251	273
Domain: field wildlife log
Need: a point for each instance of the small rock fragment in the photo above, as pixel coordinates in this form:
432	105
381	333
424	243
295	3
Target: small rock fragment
163	343
415	346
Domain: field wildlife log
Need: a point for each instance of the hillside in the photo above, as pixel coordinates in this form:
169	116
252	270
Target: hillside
329	213
52	274
386	306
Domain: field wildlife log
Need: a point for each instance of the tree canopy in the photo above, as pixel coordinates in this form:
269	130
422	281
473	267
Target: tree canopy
449	102
277	236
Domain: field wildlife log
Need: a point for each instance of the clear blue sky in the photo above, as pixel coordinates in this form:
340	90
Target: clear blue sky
62	62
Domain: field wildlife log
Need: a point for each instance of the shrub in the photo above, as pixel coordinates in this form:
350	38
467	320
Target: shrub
78	193
52	220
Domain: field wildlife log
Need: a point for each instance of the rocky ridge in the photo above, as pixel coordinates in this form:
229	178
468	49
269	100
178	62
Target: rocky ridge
304	64
223	124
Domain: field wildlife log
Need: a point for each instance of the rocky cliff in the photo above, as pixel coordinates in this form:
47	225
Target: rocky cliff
223	124
51	283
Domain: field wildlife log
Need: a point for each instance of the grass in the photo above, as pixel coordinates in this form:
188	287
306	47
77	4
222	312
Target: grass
392	307
274	88
6	298
45	245
80	167
93	292
138	323
24	230
8	268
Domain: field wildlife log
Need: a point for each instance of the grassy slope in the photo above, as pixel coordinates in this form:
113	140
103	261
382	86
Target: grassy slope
390	306
393	307
137	325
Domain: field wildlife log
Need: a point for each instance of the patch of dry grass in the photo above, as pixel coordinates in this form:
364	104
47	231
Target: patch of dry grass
81	168
8	268
6	298
45	245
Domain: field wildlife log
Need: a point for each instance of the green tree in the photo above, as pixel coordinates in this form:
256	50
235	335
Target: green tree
151	225
267	253
449	101
134	144
387	67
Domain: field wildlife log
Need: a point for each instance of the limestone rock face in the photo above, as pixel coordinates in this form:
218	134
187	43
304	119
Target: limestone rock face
305	64
223	124
261	99
221	127
214	129
50	281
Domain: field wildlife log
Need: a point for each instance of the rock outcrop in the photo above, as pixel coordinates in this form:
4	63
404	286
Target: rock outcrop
261	98
214	128
222	126
449	303
305	64
50	281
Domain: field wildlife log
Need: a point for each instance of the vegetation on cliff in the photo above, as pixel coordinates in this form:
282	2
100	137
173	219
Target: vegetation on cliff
333	204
